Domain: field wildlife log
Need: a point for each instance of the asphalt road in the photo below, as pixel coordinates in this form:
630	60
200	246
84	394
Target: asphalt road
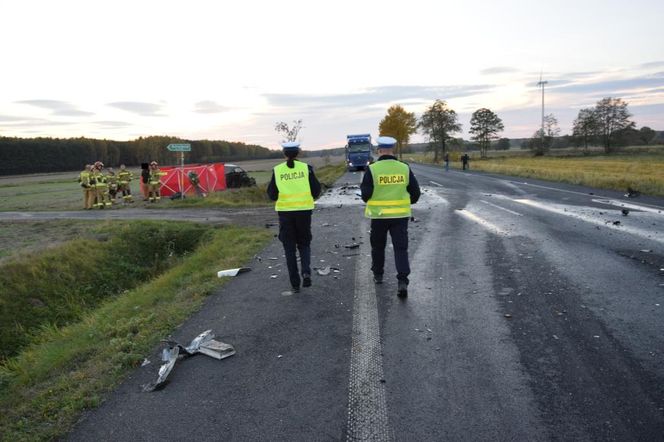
531	316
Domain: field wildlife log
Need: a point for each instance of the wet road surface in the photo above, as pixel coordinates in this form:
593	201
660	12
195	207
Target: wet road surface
533	314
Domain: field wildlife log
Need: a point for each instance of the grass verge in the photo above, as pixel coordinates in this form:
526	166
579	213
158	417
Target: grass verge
69	369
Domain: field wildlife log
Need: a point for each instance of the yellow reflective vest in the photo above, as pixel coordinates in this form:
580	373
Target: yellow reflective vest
390	198
293	186
84	178
125	176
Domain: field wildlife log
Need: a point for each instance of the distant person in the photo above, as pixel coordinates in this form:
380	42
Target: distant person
465	159
88	190
446	159
124	184
294	186
145	180
154	183
112	182
389	188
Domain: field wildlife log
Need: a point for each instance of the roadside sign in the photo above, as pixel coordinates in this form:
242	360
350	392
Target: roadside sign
179	147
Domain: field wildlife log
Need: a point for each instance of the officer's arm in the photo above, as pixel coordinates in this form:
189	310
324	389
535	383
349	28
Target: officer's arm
314	184
413	188
272	190
367	186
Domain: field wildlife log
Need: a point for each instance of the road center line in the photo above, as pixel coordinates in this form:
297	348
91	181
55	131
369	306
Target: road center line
367	402
435	183
502	208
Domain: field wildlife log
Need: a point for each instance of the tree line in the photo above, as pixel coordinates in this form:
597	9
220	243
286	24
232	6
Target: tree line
608	123
39	155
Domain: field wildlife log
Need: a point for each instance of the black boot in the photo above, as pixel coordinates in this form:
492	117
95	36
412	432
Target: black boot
402	289
306	280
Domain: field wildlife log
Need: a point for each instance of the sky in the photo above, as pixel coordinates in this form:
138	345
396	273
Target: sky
231	70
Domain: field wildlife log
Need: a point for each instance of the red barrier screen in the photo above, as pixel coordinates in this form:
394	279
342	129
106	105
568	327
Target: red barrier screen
211	178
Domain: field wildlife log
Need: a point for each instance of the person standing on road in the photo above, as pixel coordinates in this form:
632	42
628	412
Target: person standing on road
294	186
465	160
389	188
446	158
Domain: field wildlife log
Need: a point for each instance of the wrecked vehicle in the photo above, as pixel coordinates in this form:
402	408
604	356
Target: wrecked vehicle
237	177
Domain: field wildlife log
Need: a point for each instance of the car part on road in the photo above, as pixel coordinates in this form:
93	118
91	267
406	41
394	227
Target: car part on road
232	272
204	343
352	246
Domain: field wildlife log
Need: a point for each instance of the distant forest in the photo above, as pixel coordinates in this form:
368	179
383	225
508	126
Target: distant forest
39	155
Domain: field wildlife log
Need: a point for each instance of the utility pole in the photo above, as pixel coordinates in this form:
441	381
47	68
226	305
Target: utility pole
541	84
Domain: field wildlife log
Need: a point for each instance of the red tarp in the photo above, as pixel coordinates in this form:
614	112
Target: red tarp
211	178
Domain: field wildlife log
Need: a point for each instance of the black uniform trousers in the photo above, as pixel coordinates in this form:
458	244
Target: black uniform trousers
295	232
398	229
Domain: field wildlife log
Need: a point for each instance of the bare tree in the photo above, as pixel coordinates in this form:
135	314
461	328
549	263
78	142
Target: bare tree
289	132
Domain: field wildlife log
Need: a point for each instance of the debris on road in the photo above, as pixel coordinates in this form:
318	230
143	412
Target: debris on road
204	343
274	276
352	246
146	361
232	272
508	316
625	212
632	193
616	223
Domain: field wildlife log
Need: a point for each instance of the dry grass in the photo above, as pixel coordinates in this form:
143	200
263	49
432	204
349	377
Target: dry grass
643	172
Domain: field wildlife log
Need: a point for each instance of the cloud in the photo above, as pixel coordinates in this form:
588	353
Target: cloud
613	86
209	107
112	124
498	70
58	108
376	96
652	64
12	121
139	107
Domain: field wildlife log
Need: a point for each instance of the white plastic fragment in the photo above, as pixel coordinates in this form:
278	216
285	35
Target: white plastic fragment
232	272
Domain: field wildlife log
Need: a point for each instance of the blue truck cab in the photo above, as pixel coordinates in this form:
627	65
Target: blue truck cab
358	151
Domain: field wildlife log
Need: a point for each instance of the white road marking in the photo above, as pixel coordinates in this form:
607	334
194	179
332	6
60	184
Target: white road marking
367	402
481	221
627	205
437	184
502	208
572	212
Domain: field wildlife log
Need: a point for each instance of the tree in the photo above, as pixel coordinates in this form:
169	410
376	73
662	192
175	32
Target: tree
503	144
612	117
646	135
398	124
585	126
484	127
539	143
289	133
438	123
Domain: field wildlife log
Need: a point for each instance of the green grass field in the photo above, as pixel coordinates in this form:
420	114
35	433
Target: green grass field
639	168
64	370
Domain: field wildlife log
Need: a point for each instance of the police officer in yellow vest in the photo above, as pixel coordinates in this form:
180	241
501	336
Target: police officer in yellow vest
389	188
294	186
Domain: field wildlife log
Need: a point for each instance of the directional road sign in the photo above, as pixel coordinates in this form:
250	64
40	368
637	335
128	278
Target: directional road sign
179	147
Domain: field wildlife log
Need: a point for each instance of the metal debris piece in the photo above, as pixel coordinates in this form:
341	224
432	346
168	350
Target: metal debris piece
204	343
508	316
168	355
352	246
233	272
324	271
646	250
145	362
616	223
632	193
625	212
274	276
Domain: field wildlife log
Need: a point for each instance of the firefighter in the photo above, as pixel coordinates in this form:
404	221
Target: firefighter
154	185
101	187
112	182
88	191
389	188
124	186
294	186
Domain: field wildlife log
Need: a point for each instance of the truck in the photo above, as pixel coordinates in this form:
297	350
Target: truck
358	151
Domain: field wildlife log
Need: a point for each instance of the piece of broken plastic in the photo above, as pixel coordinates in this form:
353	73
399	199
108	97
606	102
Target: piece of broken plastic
232	272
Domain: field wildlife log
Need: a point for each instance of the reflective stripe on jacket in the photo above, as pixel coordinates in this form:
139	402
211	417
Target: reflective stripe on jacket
294	189
155	176
390	198
125	177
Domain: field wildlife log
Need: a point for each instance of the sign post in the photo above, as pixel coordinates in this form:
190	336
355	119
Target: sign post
182	148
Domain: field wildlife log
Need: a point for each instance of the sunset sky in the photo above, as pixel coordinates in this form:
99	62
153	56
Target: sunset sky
210	69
